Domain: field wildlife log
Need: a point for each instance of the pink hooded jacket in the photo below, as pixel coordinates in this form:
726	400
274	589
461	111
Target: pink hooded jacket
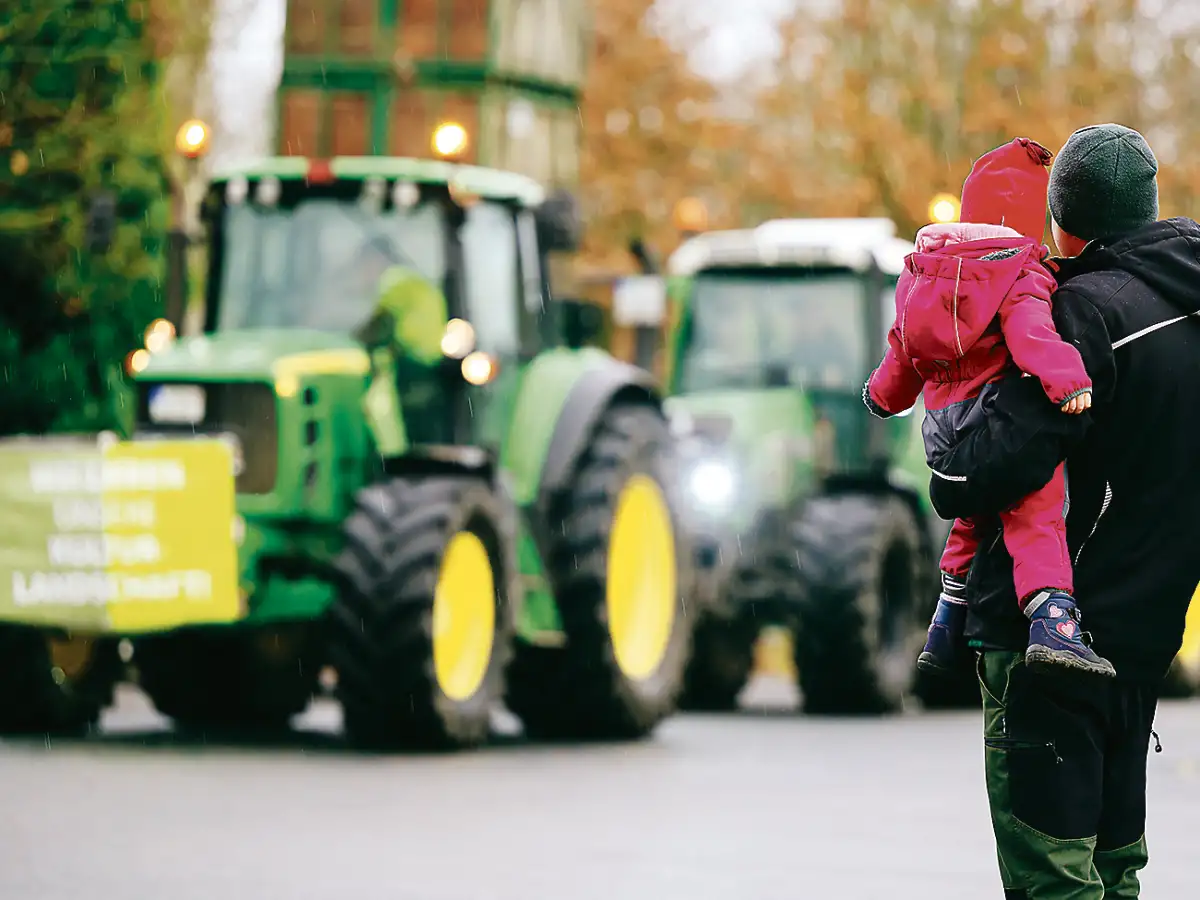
962	320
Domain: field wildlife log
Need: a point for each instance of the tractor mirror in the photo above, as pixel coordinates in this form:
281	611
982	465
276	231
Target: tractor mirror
101	223
582	323
558	224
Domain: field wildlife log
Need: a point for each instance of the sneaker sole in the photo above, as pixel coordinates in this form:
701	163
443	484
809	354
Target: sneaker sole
928	664
1043	659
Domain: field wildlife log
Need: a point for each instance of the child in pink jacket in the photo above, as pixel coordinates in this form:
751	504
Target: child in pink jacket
972	303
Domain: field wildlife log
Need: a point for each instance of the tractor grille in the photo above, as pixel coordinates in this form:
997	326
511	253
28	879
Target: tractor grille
244	410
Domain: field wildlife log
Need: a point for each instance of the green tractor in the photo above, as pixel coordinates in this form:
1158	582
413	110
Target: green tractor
439	493
806	512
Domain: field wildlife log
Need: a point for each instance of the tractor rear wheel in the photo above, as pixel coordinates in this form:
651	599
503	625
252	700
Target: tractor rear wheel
1183	678
422	626
1182	681
222	681
620	569
53	685
867	577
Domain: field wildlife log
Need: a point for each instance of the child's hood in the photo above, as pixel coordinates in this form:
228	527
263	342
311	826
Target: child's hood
954	283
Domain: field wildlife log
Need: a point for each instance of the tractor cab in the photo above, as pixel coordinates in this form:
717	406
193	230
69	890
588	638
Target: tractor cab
425	276
774	330
312	244
801	306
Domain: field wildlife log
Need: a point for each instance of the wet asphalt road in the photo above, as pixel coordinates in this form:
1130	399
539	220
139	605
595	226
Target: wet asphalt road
749	807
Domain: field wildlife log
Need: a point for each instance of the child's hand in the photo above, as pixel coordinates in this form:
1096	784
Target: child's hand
1078	404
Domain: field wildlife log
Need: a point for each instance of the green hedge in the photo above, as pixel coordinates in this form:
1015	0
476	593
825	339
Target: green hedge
80	112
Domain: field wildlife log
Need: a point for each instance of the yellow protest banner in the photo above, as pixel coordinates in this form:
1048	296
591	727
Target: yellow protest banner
125	537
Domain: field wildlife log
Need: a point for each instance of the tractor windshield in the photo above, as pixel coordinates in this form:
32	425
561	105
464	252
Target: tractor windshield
751	328
319	264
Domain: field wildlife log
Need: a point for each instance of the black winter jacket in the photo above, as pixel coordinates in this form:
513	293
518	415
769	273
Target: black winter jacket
1132	307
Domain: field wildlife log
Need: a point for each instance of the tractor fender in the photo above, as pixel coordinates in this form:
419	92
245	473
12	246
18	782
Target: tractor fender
593	392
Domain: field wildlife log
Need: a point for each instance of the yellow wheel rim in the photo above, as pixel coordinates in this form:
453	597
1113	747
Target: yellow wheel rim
1189	653
641	578
464	617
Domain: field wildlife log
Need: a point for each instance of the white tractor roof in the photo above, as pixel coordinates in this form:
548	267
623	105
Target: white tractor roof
850	243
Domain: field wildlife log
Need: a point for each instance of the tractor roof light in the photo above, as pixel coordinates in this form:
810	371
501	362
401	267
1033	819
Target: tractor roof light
191	140
944	209
450	140
690	215
478	368
405	195
268	191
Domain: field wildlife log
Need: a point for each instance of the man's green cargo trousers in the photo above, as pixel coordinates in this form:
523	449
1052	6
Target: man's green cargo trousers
1065	762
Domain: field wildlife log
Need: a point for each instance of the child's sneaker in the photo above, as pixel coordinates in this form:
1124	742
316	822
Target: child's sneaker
1056	640
943	645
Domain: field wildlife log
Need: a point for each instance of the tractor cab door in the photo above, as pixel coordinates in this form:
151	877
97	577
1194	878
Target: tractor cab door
502	299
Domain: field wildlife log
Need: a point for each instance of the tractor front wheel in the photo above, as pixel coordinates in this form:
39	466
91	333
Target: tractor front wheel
721	663
422	626
54	685
217	680
867	578
620	570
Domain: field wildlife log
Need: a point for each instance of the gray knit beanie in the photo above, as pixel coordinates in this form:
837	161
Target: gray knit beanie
1103	183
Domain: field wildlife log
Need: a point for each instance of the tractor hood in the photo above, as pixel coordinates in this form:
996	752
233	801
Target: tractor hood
740	418
257	354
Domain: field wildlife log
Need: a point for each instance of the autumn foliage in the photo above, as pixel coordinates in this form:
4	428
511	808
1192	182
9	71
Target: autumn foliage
875	106
651	136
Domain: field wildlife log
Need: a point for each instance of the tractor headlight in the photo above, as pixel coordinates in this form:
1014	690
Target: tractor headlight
711	484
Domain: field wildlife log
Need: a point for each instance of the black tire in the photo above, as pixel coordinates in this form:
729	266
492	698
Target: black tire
867	576
579	692
216	680
381	624
762	588
39	698
721	663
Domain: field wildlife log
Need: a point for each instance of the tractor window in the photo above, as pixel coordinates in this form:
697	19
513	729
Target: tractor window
536	327
887	299
489	241
320	263
752	328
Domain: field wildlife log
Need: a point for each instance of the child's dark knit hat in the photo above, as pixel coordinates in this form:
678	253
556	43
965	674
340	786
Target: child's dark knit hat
1104	183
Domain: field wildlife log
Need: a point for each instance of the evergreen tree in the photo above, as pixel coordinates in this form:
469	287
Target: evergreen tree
80	116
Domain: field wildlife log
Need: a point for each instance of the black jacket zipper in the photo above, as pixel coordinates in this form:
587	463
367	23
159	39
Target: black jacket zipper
1108	495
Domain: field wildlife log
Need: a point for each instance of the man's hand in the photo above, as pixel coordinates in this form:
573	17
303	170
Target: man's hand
1078	404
